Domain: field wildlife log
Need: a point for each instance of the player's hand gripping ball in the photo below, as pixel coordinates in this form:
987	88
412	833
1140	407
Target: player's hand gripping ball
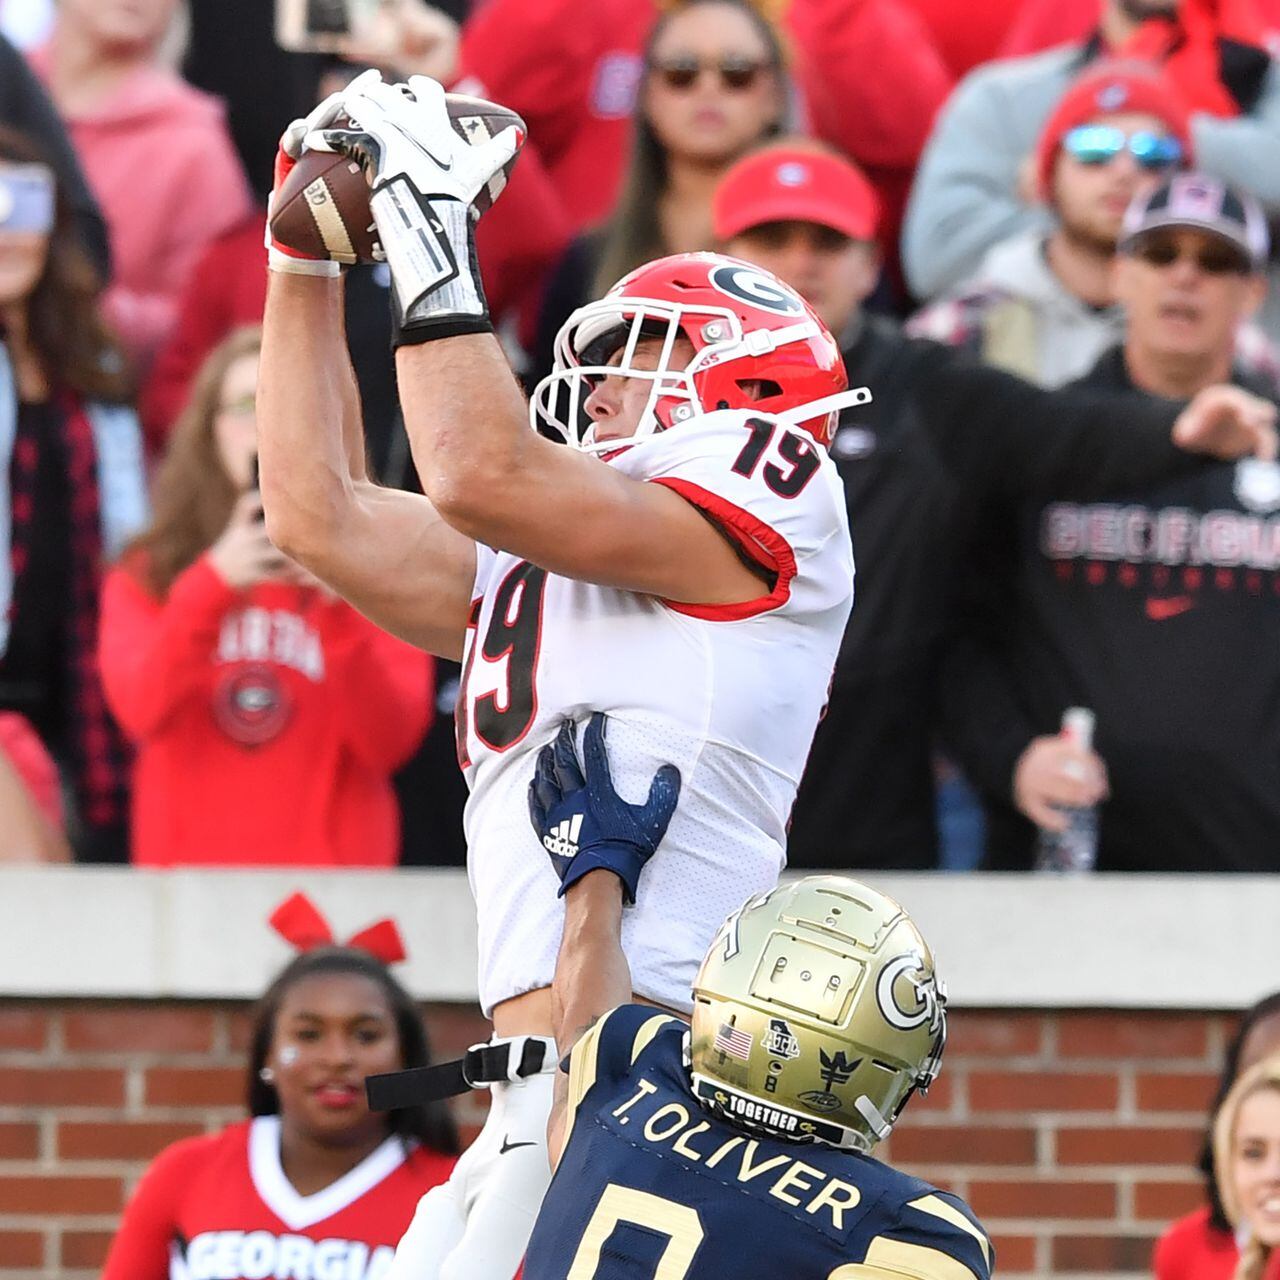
582	821
320	208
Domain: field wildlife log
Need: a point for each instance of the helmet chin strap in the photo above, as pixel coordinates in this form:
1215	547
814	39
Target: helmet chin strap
871	1114
828	404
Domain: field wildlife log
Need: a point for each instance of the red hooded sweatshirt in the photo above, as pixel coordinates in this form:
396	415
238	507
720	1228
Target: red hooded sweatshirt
268	722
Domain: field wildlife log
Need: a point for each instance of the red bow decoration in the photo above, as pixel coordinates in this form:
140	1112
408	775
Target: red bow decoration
299	922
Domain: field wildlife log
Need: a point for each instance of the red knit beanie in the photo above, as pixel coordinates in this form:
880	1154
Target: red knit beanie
1109	89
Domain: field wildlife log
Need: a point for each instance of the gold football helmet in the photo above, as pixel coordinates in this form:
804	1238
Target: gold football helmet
816	1014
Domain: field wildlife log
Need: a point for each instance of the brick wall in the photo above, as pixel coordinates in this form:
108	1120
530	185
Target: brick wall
1073	1135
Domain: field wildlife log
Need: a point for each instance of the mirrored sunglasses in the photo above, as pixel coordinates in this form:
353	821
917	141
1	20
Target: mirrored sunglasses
682	71
26	197
1100	144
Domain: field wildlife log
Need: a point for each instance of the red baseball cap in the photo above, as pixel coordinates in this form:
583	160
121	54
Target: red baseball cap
1108	89
792	182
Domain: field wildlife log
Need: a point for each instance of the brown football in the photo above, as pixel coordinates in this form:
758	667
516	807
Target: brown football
323	207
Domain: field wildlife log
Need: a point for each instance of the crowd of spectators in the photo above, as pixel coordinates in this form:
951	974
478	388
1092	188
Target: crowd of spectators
1041	239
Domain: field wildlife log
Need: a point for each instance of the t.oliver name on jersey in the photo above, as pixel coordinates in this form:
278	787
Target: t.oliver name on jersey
262	1255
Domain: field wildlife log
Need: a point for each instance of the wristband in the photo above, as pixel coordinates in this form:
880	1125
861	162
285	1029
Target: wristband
292	265
624	859
430	246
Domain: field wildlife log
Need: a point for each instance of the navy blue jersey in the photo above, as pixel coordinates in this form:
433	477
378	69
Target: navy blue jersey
651	1186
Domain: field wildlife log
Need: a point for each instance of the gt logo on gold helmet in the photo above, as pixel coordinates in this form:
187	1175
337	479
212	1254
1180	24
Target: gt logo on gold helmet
817	1014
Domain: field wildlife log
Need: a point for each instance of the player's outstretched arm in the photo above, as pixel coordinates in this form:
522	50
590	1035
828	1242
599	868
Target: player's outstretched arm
598	845
388	553
488	474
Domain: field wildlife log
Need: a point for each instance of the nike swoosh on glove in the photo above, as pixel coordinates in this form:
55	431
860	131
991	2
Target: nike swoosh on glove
582	821
424	178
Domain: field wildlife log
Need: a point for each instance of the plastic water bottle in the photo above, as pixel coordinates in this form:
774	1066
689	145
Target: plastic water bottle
1076	848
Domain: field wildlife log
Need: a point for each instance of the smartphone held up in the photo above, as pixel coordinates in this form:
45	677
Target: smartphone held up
331	26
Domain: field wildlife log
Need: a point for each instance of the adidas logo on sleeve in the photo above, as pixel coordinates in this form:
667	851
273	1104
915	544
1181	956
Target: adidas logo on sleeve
562	840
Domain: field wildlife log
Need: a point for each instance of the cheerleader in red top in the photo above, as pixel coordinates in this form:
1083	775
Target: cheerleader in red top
315	1185
268	714
1246	1157
1202	1245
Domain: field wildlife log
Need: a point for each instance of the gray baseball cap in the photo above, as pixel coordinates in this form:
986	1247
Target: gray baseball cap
1202	203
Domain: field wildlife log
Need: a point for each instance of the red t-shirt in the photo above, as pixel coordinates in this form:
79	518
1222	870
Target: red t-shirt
219	1207
576	101
267	722
1193	1250
578	105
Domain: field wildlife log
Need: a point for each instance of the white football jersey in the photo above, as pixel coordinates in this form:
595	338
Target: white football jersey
731	695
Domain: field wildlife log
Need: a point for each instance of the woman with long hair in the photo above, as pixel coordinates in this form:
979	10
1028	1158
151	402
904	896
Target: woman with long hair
268	714
314	1182
714	85
157	153
1246	1153
1202	1245
72	489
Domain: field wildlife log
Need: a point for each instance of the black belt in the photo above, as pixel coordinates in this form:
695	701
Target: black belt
482	1064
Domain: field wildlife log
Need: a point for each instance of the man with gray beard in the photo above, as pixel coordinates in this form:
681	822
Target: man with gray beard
1159	610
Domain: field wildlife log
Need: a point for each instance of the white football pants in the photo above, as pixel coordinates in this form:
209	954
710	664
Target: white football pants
476	1225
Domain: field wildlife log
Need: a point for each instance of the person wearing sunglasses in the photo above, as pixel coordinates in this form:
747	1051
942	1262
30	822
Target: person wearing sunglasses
1041	303
713	86
942	438
1190	271
72	489
1158	608
969	193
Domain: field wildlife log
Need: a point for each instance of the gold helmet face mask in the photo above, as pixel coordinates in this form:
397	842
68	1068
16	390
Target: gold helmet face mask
817	1014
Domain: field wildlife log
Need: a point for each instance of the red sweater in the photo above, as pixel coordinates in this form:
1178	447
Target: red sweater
268	722
220	1205
1192	1250
578	104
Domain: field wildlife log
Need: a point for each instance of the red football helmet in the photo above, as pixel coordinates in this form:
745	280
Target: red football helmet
756	345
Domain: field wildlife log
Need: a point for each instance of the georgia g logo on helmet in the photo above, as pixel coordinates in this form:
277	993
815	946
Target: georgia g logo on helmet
908	971
745	283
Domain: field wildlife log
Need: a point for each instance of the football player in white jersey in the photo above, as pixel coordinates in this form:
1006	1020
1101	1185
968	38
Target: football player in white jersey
685	566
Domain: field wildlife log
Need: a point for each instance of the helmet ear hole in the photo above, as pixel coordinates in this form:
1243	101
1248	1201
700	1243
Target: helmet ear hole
759	388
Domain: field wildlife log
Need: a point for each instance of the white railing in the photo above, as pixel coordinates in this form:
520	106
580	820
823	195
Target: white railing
1002	941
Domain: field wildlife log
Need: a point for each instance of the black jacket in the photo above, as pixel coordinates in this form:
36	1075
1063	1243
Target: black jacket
943	439
1160	610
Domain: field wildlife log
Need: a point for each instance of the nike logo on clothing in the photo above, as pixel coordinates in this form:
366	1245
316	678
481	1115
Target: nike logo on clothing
511	1146
1163	610
445	165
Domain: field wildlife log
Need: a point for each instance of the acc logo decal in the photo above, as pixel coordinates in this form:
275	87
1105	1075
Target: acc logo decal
820	1100
745	283
779	1041
924	1007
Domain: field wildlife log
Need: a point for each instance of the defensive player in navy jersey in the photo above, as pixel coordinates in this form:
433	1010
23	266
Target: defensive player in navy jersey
740	1146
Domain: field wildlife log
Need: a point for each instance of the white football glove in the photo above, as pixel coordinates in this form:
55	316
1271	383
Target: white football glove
424	177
